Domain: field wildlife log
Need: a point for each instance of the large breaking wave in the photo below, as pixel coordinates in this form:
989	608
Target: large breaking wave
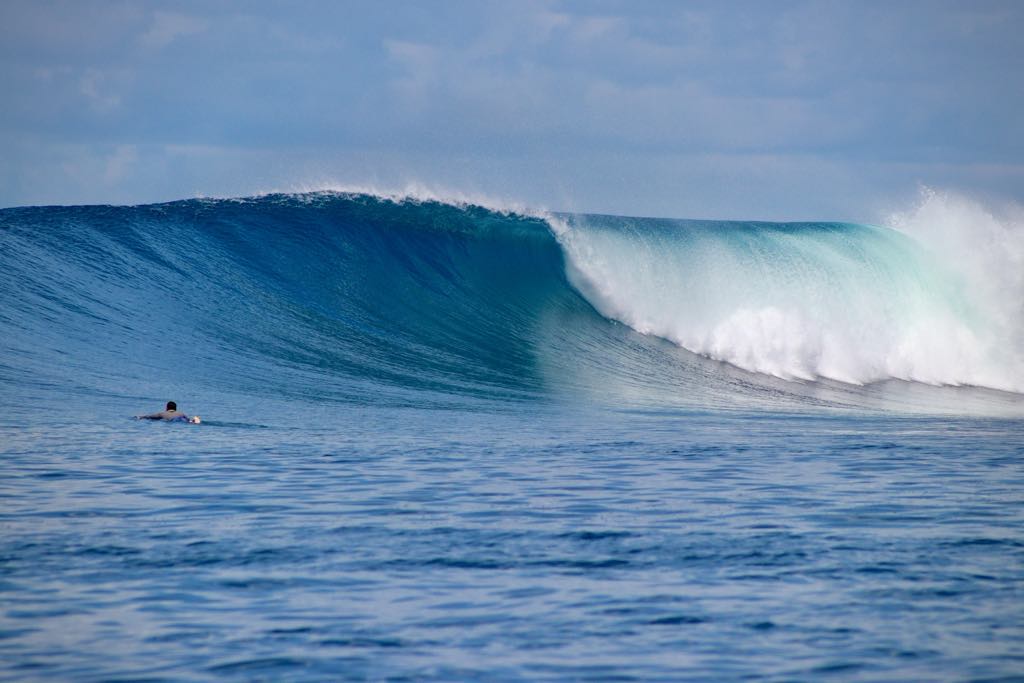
853	303
356	297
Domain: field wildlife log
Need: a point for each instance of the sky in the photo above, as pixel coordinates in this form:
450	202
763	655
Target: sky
781	110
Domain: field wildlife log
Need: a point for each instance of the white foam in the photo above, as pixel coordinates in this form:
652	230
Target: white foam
938	302
985	246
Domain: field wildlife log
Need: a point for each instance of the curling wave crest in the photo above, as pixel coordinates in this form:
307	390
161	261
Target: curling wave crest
936	298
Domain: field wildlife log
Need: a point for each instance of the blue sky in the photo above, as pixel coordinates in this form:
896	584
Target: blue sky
774	110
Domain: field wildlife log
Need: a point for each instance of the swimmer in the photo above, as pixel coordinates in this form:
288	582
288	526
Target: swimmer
170	414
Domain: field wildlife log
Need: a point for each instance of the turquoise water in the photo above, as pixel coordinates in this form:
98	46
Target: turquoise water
448	443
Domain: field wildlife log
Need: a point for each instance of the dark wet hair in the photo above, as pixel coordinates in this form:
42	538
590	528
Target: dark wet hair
171	405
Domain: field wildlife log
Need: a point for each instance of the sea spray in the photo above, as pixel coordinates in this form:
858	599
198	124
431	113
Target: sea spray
984	246
852	303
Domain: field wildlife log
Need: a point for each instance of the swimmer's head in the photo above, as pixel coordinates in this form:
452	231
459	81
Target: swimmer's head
171	405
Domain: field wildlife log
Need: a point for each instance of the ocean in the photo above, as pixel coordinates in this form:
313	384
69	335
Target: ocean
445	441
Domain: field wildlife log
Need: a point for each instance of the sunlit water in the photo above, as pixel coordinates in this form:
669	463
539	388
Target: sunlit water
401	544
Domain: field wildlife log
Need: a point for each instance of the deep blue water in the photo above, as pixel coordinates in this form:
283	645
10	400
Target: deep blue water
436	446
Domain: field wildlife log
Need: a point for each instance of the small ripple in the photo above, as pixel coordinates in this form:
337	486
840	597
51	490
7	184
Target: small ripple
678	619
838	667
259	664
361	642
7	634
594	535
763	625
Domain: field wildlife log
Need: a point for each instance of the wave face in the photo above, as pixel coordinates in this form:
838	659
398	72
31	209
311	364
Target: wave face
354	297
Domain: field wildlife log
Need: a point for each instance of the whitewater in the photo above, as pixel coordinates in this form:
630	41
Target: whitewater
853	303
450	439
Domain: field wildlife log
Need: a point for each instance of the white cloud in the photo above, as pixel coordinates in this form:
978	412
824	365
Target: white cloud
588	29
93	84
168	27
119	163
548	21
420	64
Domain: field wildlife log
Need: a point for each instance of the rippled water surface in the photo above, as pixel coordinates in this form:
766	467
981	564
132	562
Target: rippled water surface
542	544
